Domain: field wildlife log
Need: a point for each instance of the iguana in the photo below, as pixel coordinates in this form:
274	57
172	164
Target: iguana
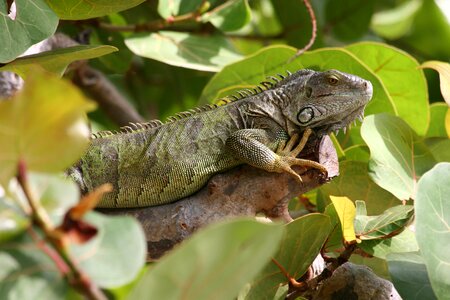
157	163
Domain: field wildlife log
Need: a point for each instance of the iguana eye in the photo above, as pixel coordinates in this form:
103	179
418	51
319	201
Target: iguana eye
333	80
305	115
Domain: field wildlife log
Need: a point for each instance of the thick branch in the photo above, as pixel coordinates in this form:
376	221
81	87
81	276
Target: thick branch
243	191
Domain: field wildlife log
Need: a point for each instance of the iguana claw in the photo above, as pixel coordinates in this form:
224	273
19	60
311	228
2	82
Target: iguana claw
288	152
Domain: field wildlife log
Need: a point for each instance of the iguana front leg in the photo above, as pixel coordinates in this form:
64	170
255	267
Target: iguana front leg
250	146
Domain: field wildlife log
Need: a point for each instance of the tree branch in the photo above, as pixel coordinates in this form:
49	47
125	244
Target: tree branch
243	191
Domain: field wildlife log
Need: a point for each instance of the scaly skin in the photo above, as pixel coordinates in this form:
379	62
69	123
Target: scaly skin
167	162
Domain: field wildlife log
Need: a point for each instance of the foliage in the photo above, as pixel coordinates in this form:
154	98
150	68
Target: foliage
392	167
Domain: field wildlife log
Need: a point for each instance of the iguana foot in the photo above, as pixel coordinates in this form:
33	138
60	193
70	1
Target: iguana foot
287	156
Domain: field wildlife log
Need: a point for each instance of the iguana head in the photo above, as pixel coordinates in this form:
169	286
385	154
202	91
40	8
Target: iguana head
325	101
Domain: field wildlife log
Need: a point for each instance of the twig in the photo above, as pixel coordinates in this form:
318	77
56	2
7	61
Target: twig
57	252
157	24
313	34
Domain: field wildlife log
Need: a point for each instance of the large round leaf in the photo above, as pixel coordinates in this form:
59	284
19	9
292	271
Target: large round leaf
432	208
214	264
31	21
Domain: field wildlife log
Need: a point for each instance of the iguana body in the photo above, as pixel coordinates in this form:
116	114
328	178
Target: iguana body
160	163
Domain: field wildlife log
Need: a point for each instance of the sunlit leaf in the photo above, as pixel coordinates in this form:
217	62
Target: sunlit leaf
116	254
214	264
33	22
229	16
299	247
44	126
392	66
346	212
444	75
85	9
391	222
398	155
55	61
206	53
437	126
409	276
432	226
169	8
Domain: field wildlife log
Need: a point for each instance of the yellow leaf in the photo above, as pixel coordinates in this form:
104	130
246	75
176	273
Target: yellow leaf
444	75
346	212
44	126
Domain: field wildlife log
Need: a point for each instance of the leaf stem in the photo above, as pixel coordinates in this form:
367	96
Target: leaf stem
57	251
313	33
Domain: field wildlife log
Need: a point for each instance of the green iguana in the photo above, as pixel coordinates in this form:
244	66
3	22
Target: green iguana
157	163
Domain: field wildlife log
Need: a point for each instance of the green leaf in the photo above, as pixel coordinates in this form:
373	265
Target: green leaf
439	148
86	9
117	253
444	75
392	66
206	53
334	241
349	20
346	212
403	242
271	60
391	222
396	22
409	276
398	155
357	153
55	193
377	265
299	247
432	226
55	61
229	16
214	263
168	8
34	21
28	273
36	128
13	221
436	128
355	183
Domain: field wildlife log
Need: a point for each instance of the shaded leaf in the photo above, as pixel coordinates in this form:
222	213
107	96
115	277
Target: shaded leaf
403	242
357	153
116	254
391	222
335	239
28	273
206	53
395	22
229	16
398	155
392	66
349	20
43	121
438	112
439	148
55	61
355	183
55	193
86	9
34	21
409	276
444	75
299	247
346	212
168	8
432	226
377	265
215	263
12	220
